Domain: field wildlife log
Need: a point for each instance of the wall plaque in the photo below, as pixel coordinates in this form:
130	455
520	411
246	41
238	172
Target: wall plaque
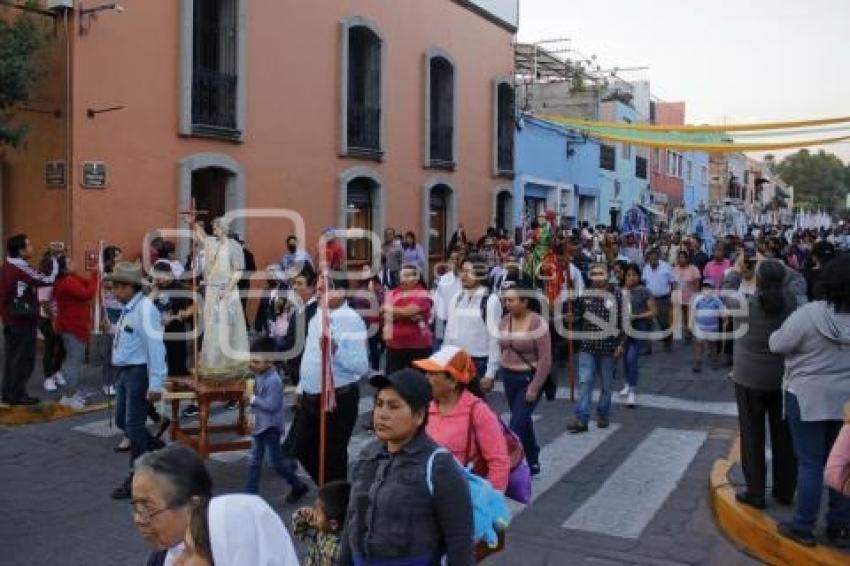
94	175
54	173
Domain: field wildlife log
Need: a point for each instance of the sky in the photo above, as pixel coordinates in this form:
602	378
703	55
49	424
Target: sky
732	61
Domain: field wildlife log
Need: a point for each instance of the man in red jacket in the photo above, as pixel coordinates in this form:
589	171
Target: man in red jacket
19	311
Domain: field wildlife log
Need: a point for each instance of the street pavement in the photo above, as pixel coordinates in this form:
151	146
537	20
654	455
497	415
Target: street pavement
634	493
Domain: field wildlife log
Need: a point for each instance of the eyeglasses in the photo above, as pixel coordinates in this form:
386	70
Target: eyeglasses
144	515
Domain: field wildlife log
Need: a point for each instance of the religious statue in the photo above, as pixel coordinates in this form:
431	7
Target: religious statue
542	263
635	221
224	350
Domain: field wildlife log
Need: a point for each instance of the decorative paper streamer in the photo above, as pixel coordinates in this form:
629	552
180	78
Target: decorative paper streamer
704	128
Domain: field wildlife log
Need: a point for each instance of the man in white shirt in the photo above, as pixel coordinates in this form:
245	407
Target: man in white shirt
661	282
471	325
448	286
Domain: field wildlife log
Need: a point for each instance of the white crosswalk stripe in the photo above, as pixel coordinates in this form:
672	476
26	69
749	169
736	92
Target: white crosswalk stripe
628	500
652	401
561	456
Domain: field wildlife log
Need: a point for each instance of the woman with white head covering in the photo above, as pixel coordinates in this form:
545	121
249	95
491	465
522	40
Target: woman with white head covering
237	530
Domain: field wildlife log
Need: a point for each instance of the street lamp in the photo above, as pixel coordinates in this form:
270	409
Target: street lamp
88	14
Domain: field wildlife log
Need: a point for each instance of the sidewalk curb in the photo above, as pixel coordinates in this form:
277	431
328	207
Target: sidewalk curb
753	532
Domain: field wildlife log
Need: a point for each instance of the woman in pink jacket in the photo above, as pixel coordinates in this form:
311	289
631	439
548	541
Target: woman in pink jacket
460	421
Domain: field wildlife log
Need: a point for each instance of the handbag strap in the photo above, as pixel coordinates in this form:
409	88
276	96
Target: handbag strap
531	367
470	432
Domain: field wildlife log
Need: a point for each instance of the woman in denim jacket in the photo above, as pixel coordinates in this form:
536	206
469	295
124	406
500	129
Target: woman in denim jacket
393	518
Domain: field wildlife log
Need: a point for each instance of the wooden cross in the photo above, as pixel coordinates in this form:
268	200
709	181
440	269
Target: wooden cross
191	216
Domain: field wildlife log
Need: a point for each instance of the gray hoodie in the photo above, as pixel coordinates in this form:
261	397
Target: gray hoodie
816	343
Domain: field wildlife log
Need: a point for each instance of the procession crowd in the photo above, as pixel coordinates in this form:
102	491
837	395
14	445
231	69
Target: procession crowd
772	308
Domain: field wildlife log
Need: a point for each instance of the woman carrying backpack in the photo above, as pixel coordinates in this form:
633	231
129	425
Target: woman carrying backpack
460	421
394	516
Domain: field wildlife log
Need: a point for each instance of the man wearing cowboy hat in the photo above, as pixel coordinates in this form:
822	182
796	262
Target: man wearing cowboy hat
138	355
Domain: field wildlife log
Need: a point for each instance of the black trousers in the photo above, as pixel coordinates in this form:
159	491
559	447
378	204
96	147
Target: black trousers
404	358
753	406
19	344
176	350
340	426
54	350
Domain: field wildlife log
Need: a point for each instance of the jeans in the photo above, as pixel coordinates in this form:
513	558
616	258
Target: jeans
269	440
19	350
812	442
75	355
131	407
630	361
591	366
516	384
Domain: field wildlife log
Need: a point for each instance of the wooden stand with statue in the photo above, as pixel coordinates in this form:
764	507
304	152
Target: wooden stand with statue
217	376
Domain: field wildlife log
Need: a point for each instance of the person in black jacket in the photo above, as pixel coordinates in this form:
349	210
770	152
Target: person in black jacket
393	515
304	287
168	485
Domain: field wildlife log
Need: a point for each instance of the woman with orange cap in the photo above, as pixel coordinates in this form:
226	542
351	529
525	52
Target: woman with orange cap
460	421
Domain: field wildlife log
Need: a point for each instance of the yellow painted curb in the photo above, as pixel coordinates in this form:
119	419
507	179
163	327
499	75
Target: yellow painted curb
755	532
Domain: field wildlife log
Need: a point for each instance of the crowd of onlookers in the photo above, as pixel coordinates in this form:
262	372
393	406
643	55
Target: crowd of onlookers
435	339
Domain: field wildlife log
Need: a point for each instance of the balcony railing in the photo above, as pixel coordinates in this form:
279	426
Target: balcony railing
213	101
364	129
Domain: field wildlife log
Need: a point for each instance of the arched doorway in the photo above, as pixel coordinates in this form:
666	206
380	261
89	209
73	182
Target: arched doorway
217	182
361	213
209	191
438	223
504	211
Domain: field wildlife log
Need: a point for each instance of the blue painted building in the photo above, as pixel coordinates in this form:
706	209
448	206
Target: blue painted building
556	168
623	168
695	180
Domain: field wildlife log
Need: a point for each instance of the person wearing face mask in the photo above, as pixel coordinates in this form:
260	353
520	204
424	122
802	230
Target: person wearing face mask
294	260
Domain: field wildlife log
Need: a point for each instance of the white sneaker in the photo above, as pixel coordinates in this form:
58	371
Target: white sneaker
632	399
50	384
109	390
624	391
59	379
72	402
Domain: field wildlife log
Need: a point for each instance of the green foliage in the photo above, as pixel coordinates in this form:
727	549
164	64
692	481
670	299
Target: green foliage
820	180
20	42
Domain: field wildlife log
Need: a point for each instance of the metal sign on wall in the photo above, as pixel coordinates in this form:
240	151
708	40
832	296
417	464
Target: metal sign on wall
54	174
94	175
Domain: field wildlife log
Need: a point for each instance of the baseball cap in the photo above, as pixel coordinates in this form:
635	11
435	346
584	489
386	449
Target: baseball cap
452	360
411	385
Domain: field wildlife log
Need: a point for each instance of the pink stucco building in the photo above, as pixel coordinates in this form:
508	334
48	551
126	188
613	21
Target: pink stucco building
360	113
